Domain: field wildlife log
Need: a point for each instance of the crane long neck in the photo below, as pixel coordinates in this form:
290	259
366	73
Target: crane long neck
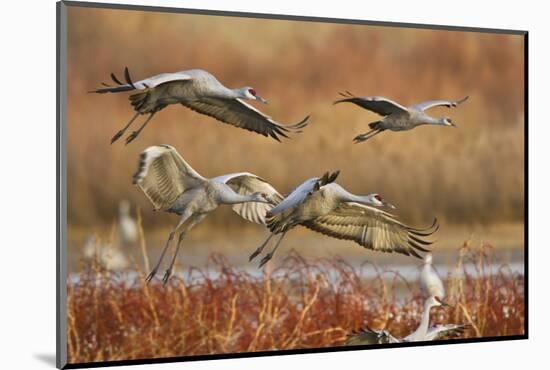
346	196
429	120
238	93
227	93
230	197
425	321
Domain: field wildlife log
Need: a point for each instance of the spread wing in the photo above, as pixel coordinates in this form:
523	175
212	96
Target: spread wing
163	175
377	104
373	229
446	331
240	114
245	183
437	103
298	195
147	83
369	336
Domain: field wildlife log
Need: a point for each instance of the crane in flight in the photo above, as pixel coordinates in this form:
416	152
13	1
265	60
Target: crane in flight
172	185
322	205
396	116
202	92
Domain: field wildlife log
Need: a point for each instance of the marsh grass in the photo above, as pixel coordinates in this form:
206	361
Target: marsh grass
298	304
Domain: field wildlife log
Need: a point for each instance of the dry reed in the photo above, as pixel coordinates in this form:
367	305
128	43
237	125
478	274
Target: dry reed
300	304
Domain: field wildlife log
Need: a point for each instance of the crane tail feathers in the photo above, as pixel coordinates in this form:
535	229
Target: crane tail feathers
115	79
114	89
127	77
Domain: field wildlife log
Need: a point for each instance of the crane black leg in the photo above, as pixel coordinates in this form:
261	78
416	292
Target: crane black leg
170	237
268	256
123	130
366	136
155	269
260	248
135	134
194	220
168	272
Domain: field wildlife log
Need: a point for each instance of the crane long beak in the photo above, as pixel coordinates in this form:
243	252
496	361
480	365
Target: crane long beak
260	99
389	205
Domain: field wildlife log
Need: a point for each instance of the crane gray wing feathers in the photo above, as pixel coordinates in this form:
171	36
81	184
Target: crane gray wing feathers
373	229
245	183
159	79
240	114
296	197
437	103
299	195
443	331
147	83
377	104
163	175
370	336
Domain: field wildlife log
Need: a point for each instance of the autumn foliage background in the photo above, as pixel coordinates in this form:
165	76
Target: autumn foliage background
471	178
471	175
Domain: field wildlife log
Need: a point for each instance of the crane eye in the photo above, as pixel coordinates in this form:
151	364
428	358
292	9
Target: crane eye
252	91
378	197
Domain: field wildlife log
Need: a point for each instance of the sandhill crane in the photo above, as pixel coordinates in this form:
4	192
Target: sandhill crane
396	116
202	92
430	282
107	255
127	225
422	333
174	186
322	205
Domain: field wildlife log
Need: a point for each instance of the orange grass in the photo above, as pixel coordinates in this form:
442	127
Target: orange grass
300	304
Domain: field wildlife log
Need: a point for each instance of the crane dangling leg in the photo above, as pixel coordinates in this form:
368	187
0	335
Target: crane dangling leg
170	237
195	219
135	134
366	136
123	130
268	256
260	248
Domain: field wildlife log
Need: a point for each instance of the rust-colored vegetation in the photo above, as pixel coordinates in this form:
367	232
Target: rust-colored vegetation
300	304
469	176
